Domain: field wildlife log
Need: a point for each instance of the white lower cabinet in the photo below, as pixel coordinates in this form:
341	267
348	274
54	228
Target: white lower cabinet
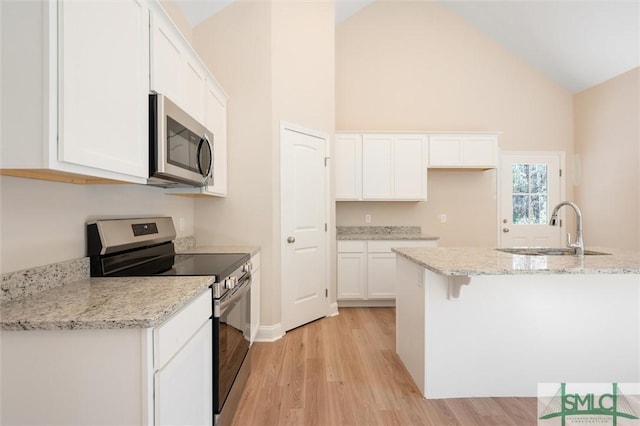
182	388
367	271
149	376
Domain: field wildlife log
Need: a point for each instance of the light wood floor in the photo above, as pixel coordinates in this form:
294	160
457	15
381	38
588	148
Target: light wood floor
344	371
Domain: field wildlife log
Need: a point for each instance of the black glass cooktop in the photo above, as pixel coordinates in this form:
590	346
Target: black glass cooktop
220	265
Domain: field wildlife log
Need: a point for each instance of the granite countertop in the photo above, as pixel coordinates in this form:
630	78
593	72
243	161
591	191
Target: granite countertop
99	303
346	233
63	296
488	261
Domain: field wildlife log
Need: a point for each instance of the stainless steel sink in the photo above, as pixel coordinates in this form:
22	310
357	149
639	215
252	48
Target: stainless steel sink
545	251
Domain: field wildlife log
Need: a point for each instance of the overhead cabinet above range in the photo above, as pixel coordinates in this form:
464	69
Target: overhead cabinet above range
178	73
381	166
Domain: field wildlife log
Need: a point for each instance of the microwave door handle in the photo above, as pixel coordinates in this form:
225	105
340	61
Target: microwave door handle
205	175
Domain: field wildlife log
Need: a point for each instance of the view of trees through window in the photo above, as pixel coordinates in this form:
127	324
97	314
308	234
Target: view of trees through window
530	194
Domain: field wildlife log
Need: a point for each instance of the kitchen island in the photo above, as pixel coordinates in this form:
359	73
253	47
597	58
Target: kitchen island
477	322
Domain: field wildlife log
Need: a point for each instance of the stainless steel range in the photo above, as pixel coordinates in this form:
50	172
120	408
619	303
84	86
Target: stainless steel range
144	247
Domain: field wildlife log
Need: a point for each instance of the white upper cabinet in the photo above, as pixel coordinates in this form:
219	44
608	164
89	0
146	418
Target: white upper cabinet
377	166
178	73
381	166
463	151
75	87
166	58
348	166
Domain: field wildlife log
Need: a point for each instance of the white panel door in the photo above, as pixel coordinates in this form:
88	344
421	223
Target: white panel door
304	206
530	187
377	167
104	84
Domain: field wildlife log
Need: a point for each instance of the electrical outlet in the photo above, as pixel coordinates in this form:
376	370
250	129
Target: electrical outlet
367	218
443	218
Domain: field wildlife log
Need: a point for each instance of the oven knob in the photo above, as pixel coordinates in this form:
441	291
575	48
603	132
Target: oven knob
230	283
247	267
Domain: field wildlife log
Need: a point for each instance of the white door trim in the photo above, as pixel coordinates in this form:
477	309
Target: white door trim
284	125
562	189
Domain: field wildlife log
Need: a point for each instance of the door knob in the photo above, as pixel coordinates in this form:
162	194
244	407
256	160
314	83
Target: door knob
291	240
505	230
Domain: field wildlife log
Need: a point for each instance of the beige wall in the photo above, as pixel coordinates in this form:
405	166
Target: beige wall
43	222
417	66
607	132
261	55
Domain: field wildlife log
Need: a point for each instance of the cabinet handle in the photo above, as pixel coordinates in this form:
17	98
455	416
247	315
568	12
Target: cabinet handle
291	240
505	230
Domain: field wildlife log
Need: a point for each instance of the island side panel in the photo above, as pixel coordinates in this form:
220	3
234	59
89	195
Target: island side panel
410	319
505	334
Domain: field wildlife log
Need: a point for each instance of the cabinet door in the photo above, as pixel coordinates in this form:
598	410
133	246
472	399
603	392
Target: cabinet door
195	88
183	387
381	275
481	151
166	59
351	275
348	167
377	167
103	85
216	121
445	151
410	167
463	151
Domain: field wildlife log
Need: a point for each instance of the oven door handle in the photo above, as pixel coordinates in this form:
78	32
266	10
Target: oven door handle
237	295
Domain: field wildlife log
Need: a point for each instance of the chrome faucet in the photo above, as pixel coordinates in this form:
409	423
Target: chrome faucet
579	244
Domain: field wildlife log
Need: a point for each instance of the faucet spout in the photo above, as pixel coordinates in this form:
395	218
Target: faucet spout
578	245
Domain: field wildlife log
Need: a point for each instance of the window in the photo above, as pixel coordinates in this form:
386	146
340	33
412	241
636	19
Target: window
530	194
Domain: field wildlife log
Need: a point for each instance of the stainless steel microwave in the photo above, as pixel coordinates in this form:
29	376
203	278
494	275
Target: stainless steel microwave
180	148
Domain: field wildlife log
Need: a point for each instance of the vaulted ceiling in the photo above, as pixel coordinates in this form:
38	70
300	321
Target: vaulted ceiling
578	44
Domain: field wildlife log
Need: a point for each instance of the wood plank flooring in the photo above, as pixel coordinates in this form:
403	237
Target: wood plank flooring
344	371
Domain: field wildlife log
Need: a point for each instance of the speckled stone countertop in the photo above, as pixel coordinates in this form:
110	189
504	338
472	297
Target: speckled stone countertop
63	296
488	261
347	233
98	303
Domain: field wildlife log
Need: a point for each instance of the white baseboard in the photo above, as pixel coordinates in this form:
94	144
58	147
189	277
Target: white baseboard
269	333
367	303
333	310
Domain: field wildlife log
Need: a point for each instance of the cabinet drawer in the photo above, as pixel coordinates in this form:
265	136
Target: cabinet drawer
385	246
351	246
169	337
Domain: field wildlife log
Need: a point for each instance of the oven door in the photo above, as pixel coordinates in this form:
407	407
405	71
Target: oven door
231	339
